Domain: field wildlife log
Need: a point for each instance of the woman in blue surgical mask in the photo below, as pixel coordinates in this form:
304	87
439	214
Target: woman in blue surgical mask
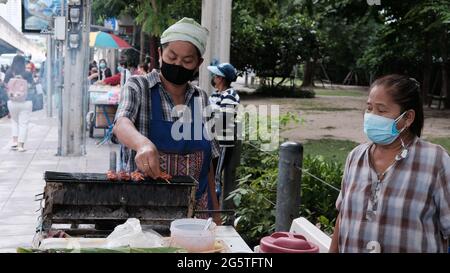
104	72
395	193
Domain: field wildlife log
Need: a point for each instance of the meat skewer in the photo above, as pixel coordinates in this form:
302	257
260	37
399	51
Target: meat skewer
112	175
124	176
137	176
165	176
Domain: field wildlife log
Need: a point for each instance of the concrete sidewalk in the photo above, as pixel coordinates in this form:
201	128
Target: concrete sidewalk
21	175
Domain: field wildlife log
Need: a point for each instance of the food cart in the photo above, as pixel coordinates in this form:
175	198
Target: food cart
104	99
103	103
92	198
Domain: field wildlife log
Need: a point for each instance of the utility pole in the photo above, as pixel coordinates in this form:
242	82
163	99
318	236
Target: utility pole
74	95
216	17
60	22
49	74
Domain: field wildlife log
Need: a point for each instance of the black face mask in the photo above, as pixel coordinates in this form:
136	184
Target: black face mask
176	74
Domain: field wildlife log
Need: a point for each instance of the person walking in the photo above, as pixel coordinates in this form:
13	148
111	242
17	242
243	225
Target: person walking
17	81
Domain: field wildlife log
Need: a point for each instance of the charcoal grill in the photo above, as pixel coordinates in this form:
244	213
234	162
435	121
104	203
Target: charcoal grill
89	198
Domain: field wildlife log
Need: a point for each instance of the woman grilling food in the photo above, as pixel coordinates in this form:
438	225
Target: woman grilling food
148	117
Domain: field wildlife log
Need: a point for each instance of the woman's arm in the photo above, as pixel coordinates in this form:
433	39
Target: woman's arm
334	247
147	156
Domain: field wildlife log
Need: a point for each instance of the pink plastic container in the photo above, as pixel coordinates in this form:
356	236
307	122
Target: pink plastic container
287	242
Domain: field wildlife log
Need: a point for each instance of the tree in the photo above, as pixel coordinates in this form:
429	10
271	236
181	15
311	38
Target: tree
152	17
271	44
341	30
413	40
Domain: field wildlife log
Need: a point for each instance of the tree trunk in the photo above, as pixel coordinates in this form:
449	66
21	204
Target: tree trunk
308	78
136	34
142	46
427	69
445	68
445	84
154	58
154	41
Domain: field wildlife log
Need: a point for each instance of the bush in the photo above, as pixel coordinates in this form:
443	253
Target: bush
255	197
285	92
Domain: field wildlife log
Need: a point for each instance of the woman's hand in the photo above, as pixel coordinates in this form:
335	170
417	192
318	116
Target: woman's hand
147	160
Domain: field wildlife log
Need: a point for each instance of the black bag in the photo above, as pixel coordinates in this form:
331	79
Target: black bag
38	101
3	102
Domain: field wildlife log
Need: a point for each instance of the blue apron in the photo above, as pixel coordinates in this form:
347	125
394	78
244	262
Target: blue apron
160	135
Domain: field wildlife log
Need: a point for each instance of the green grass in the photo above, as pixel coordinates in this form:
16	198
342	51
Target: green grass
327	109
330	149
443	141
337	150
314	105
340	93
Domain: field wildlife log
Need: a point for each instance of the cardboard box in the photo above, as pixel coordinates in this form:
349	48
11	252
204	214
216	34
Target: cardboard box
100	118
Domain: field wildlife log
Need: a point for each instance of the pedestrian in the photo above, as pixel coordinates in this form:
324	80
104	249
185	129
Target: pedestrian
93	75
395	193
18	81
3	95
104	70
142	69
224	102
122	75
92	65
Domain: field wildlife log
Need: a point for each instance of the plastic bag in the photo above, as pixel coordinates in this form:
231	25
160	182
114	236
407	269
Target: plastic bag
130	234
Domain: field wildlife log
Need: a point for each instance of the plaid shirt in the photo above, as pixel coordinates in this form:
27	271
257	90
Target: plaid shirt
413	213
135	104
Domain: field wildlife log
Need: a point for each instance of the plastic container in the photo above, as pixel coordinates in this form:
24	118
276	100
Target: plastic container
286	242
190	234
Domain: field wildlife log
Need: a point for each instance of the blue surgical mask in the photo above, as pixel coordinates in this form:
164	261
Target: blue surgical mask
102	65
120	69
381	130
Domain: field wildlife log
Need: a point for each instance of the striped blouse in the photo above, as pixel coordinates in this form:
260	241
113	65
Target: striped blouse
413	212
224	99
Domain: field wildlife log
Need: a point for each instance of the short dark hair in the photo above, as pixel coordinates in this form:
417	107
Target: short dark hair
406	92
123	63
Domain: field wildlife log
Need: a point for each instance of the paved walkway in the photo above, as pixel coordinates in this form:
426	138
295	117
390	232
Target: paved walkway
21	175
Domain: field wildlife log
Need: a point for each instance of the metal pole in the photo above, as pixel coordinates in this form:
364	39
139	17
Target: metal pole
229	181
49	74
289	185
60	65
